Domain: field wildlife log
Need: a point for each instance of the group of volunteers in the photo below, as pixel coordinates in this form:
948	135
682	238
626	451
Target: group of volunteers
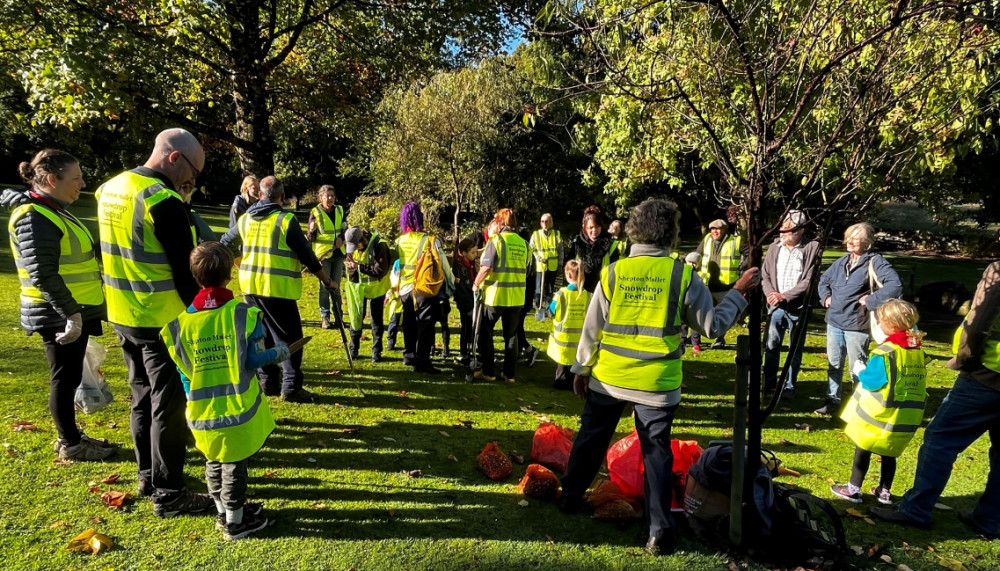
200	361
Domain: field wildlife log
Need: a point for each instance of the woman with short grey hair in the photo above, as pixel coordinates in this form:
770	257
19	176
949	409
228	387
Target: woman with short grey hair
846	291
630	353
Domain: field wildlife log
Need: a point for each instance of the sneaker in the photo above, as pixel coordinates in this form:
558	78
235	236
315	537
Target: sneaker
300	396
663	544
185	502
99	442
252	508
325	324
251	523
842	491
531	355
966	517
719	344
828	409
145	488
85	452
507	379
376	358
882	495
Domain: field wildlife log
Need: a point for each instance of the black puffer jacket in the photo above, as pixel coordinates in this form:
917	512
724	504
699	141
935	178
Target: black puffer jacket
38	246
591	256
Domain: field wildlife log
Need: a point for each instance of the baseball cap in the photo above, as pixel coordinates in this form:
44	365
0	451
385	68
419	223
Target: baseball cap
351	239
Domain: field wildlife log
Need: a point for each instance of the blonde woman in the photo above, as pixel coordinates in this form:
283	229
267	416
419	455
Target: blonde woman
249	194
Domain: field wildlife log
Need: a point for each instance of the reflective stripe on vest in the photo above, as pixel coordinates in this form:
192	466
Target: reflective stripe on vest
567	324
327	231
884	421
373	288
409	247
991	351
729	258
77	262
228	417
547	247
506	283
138	280
640	343
269	268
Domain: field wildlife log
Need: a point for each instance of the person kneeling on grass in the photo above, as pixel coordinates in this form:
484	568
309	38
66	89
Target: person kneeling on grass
217	345
888	406
568	309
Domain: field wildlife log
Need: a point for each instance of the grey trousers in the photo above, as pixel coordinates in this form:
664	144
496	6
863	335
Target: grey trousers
227	482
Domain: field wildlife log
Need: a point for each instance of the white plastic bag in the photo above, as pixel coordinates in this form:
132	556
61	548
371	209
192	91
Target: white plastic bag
93	394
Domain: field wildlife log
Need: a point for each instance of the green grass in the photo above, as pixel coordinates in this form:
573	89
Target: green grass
341	500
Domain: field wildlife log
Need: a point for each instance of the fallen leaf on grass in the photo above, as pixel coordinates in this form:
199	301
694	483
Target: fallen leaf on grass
857	549
96	520
413	473
333	372
270	473
90	542
52	483
23	426
953	564
111	478
886	558
523	503
320	444
550	540
902	567
467	423
94	490
452	458
338	405
12	453
351	430
404	394
388	439
59	525
869	521
702	377
406	411
804	426
831	481
787	442
940	506
192	537
517	458
116	500
112	425
854	512
445	434
311	460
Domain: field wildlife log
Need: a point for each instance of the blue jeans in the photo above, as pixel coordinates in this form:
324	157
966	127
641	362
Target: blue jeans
334	268
839	341
970	410
780	322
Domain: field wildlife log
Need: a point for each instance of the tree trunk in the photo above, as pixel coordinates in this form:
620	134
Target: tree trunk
249	88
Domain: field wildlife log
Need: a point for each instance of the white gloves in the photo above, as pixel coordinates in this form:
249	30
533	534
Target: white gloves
858	367
74	327
281	353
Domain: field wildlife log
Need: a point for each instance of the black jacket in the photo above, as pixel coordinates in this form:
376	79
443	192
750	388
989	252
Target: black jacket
38	246
591	256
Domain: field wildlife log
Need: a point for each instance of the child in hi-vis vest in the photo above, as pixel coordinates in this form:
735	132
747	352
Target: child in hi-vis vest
888	405
568	308
395	307
217	345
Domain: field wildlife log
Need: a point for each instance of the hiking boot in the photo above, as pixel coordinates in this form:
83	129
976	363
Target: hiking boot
531	355
966	517
507	379
185	502
85	452
843	492
251	523
882	495
300	396
325	324
253	508
897	517
145	487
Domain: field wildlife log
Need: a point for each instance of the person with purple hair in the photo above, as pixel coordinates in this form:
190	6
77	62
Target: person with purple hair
419	313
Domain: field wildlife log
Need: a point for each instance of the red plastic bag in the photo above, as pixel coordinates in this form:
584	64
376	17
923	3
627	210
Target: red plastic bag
493	462
539	482
550	446
626	469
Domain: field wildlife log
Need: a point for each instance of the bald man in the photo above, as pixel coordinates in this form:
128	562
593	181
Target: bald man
147	238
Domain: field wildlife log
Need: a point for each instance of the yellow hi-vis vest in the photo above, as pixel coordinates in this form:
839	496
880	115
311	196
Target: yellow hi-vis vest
227	414
269	268
373	288
640	345
567	324
77	263
546	247
506	284
884	421
991	352
138	280
729	258
614	250
410	246
327	231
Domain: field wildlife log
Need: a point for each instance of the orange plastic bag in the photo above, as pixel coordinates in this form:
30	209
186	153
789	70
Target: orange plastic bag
539	482
610	504
550	446
493	462
626	468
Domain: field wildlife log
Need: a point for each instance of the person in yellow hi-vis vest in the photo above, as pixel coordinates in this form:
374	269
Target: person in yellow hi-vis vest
969	410
547	249
367	263
325	230
722	258
630	353
568	309
888	406
147	239
274	251
61	296
217	343
502	280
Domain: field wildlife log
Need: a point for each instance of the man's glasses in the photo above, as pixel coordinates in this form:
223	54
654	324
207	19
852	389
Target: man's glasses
190	164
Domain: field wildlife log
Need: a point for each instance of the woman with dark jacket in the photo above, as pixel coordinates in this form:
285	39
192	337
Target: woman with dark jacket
61	290
591	246
249	194
846	291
